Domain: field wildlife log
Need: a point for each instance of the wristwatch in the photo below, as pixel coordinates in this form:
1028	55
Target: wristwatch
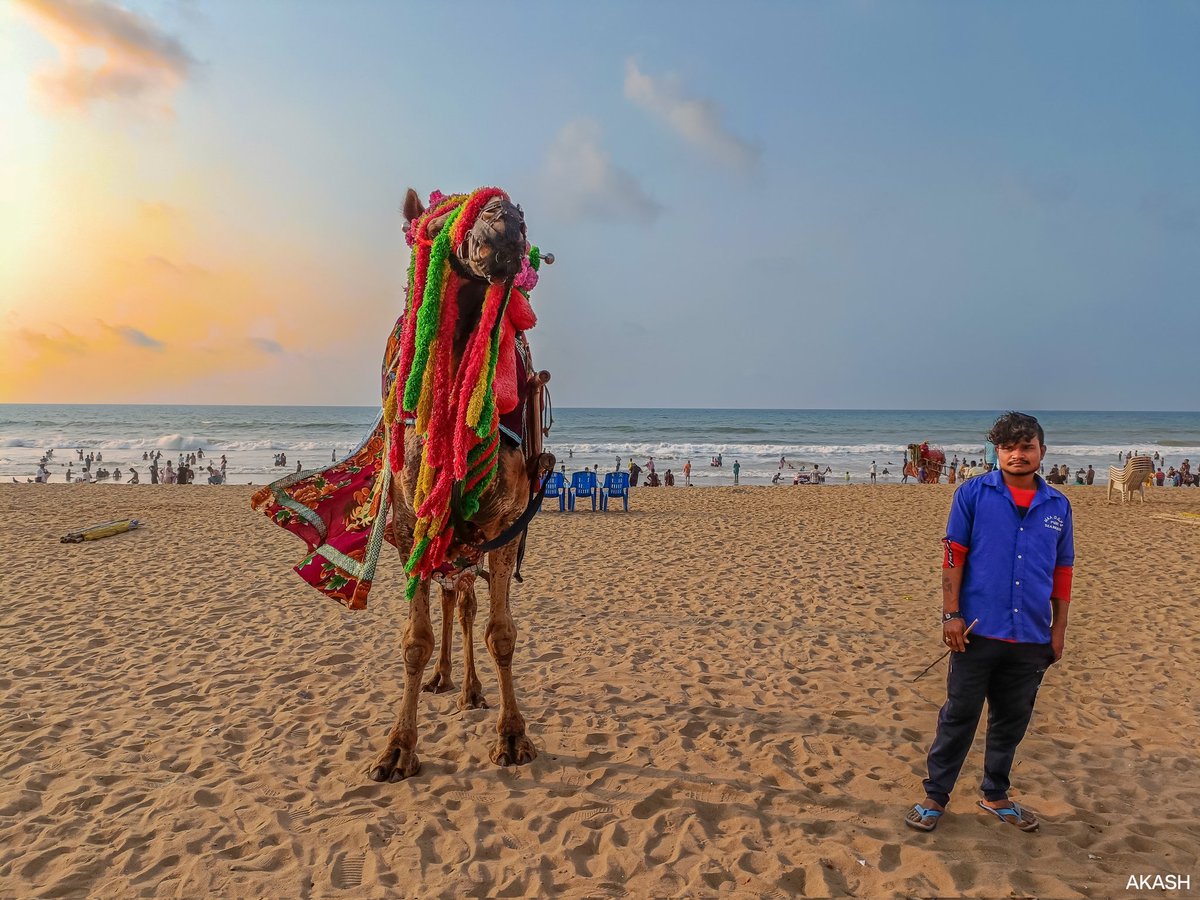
946	617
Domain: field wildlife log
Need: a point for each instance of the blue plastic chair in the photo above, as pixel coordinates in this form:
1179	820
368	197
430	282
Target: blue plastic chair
616	484
556	486
583	484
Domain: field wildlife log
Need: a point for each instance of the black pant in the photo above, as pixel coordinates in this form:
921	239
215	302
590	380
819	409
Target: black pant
1007	675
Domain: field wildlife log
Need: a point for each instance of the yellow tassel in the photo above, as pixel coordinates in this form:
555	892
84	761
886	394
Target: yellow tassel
475	405
389	405
425	404
424	484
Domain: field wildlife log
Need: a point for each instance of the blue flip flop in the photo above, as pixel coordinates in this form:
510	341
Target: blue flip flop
932	814
1013	815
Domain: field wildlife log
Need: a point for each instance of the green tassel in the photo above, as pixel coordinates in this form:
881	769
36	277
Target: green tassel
418	551
430	314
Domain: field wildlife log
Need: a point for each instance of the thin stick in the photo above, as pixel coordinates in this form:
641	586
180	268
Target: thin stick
948	652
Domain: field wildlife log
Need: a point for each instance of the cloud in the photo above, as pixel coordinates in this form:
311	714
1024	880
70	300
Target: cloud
266	345
66	345
134	337
181	270
696	120
108	52
584	184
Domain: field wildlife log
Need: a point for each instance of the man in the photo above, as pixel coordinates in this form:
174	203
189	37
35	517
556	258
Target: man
1008	566
872	471
1090	476
687	473
737	469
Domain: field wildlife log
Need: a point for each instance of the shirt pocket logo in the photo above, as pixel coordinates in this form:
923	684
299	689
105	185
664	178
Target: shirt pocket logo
1054	522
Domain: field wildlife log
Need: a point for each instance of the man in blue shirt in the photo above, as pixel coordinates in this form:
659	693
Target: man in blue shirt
1009	557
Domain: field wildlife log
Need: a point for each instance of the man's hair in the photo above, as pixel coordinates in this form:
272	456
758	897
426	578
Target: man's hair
1013	427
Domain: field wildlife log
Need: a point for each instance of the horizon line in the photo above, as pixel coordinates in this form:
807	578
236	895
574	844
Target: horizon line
624	408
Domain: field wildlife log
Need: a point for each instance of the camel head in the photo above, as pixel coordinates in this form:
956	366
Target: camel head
494	246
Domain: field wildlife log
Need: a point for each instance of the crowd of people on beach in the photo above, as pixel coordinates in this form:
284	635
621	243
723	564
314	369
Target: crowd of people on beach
186	469
957	470
182	472
189	466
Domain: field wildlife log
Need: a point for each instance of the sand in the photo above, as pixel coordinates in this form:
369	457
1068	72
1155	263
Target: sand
719	683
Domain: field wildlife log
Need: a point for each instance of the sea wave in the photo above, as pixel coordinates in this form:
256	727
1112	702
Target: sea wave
811	452
604	449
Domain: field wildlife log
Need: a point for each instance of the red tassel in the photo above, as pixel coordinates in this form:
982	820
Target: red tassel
440	442
471	210
519	312
505	385
469	370
396	450
438	497
408	338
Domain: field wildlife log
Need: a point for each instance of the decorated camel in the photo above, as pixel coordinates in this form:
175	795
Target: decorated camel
455	457
919	456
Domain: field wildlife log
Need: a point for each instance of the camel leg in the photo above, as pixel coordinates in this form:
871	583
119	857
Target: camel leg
472	691
440	682
399	760
512	747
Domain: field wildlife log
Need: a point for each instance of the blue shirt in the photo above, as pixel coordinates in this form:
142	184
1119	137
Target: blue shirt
1009	572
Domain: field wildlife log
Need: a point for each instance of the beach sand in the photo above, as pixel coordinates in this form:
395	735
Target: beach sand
719	683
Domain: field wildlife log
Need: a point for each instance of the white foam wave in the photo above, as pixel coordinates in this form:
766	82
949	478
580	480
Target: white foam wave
817	452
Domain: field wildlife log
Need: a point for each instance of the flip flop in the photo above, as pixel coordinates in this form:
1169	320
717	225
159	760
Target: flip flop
1013	815
923	813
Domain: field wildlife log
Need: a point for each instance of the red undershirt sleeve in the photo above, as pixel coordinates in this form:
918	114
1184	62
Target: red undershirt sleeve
956	554
1063	575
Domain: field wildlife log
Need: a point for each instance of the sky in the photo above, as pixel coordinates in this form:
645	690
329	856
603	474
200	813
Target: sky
757	204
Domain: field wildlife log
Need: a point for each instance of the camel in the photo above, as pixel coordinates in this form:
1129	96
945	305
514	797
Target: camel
492	252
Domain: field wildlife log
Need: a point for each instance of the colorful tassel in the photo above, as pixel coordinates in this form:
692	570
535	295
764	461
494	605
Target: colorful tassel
454	409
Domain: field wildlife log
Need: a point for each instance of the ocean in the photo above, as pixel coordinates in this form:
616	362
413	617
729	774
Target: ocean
846	441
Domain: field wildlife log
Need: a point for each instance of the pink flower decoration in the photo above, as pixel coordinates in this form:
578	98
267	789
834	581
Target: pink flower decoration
526	279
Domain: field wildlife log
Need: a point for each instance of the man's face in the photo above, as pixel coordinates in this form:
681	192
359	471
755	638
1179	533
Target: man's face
1021	458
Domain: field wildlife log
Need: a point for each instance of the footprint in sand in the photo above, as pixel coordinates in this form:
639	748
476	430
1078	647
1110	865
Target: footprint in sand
348	870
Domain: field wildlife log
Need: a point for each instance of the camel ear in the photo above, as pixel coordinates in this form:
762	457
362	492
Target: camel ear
413	207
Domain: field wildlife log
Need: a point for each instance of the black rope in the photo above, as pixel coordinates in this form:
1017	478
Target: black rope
522	522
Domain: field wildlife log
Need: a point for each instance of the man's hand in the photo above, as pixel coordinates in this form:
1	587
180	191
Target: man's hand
1058	640
954	635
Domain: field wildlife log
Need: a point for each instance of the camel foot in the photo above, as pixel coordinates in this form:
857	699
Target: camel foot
472	699
513	750
395	765
438	684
